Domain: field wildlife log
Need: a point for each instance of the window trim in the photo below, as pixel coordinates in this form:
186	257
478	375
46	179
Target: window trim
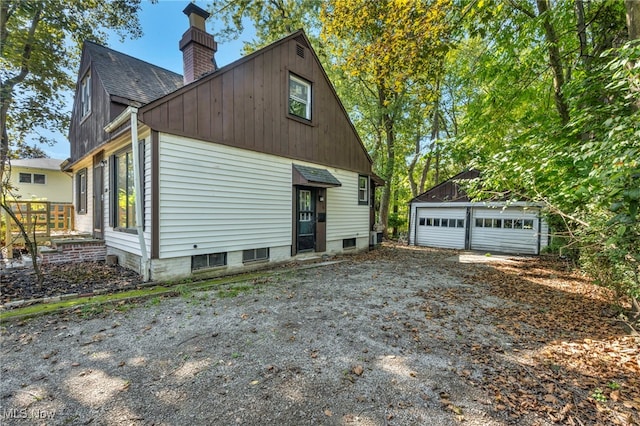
81	197
309	101
363	201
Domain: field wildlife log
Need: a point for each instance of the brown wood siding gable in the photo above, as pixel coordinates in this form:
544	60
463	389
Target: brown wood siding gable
448	190
87	133
245	105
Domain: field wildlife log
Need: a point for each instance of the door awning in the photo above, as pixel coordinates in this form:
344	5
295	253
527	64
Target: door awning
311	176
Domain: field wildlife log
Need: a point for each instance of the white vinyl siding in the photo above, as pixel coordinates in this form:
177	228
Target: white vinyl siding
215	198
501	239
345	217
432	234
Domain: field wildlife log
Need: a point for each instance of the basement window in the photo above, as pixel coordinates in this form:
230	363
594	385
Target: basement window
254	255
206	261
349	243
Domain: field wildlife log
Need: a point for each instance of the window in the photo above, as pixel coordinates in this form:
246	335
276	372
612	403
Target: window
204	261
36	178
422	221
363	190
460	223
81	191
305	206
124	194
85	95
348	243
299	97
429	221
253	255
527	224
508	223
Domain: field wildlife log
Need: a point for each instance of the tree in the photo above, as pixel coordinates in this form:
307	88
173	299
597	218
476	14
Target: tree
554	118
392	51
40	45
272	19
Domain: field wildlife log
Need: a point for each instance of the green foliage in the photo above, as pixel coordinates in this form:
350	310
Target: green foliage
585	167
40	48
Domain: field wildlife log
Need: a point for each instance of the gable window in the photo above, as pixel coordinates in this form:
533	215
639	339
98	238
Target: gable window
37	178
81	191
124	194
299	97
363	190
85	95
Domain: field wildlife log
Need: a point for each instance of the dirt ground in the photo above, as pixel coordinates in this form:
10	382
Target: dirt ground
398	336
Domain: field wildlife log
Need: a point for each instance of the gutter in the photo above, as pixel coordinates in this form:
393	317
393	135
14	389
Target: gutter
131	114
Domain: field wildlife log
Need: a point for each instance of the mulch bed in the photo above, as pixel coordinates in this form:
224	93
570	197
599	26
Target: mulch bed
60	279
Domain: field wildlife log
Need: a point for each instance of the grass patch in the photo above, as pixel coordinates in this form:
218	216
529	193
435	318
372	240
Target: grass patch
92	305
233	291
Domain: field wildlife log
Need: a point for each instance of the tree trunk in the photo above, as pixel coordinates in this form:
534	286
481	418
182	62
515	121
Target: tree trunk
555	61
412	167
633	18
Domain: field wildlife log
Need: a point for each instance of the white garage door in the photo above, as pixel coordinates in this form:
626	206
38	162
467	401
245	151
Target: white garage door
512	230
441	227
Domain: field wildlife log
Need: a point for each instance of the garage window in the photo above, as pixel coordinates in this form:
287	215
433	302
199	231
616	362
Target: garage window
504	223
422	221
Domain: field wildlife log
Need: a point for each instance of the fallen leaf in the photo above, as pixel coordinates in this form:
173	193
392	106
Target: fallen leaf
328	413
358	370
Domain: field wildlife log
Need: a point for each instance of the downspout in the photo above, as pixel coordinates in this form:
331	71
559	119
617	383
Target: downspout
139	202
132	112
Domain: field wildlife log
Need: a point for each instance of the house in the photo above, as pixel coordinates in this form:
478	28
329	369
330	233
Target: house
40	179
219	170
445	217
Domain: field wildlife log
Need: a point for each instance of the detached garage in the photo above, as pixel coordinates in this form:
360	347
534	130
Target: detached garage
444	217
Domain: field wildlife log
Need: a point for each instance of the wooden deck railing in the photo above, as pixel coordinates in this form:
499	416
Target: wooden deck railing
43	217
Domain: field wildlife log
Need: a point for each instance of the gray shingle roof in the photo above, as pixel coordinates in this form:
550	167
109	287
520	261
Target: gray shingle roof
130	78
314	175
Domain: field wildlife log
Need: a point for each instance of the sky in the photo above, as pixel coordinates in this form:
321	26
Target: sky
163	24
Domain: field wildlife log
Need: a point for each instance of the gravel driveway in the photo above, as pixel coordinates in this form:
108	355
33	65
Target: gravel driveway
377	339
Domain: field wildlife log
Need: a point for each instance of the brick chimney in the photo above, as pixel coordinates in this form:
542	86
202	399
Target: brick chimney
197	46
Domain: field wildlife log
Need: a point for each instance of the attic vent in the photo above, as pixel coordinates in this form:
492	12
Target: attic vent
300	39
299	50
